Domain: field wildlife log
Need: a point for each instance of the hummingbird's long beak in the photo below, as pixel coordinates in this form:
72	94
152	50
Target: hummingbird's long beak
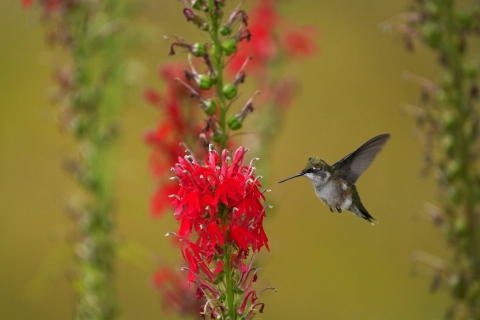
294	176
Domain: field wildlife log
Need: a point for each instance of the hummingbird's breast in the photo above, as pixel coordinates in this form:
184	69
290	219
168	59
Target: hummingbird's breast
335	194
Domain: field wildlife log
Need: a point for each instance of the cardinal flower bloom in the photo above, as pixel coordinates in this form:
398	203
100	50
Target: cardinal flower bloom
220	211
222	203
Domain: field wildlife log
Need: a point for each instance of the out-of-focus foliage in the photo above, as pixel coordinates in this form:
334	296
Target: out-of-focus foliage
448	117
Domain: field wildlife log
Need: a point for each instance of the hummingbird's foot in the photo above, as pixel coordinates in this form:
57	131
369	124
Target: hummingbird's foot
331	209
339	209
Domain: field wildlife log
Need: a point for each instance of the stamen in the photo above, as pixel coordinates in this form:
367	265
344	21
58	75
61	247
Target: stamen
171	233
178	38
268	288
256	178
253	159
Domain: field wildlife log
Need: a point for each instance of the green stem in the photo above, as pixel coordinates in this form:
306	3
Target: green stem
218	62
229	284
218	58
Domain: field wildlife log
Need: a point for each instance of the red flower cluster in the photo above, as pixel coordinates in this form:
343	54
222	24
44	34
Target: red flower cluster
179	123
222	204
270	36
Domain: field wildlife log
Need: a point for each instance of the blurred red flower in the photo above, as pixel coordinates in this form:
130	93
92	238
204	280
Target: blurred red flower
270	36
50	6
179	123
177	296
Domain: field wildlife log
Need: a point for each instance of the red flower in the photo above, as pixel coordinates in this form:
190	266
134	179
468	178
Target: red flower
179	123
271	35
299	42
262	46
152	96
222	204
177	296
26	3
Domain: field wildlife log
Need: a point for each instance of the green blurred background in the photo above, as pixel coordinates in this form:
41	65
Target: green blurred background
325	265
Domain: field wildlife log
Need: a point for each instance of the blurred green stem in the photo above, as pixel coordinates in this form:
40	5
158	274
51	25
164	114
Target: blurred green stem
459	102
454	124
94	102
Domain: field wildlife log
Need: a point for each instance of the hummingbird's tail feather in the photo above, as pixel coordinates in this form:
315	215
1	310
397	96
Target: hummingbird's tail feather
363	213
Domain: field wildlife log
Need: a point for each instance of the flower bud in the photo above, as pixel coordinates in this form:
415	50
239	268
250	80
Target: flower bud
204	82
454	196
431	34
197	4
470	70
229	46
453	170
460	227
432	9
449	119
465	19
457	286
234	122
80	126
442	97
448	144
225	30
209	107
198	49
229	91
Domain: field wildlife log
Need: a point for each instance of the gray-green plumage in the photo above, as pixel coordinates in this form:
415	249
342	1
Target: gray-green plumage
335	185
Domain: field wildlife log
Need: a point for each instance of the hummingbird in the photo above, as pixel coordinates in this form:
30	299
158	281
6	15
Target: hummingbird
335	185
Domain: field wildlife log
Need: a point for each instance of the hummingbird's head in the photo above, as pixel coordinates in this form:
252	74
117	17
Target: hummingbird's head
315	171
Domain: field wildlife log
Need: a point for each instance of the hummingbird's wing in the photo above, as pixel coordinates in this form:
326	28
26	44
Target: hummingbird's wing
354	164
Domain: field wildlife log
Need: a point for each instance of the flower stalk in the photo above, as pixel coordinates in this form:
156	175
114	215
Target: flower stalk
449	116
217	199
90	91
